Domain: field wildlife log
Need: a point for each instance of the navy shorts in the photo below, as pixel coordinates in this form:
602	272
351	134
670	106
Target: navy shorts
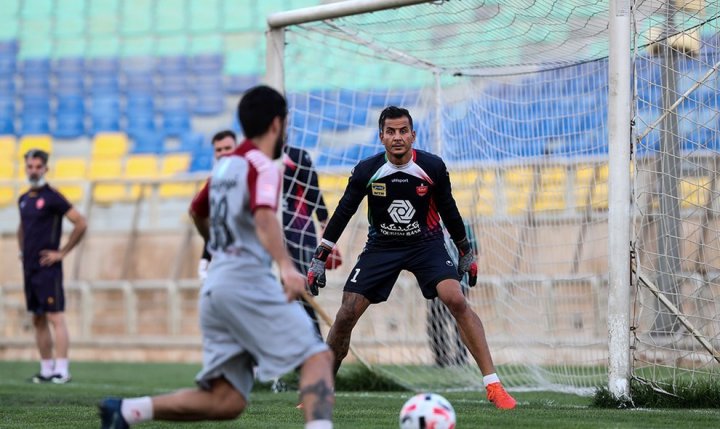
44	289
377	270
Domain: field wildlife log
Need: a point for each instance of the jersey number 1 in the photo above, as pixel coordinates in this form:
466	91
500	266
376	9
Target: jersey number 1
354	277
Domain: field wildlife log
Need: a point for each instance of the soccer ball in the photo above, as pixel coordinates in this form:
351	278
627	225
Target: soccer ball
427	411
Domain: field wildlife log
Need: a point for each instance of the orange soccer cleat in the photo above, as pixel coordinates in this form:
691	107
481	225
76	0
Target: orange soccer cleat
498	396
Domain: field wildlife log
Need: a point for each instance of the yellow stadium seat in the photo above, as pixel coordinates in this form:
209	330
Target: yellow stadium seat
40	141
332	187
518	181
172	165
474	192
694	191
70	168
7	192
591	177
7	169
109	145
8	148
552	190
103	169
141	167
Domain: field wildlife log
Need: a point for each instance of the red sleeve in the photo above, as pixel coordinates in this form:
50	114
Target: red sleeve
263	181
200	205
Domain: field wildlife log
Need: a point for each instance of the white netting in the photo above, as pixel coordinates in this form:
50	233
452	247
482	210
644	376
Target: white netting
676	312
513	96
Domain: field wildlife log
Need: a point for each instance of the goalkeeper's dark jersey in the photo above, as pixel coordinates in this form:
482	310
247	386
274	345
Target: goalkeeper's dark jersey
405	203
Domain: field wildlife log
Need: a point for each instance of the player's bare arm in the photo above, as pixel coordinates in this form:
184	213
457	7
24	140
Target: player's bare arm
270	234
50	257
202	225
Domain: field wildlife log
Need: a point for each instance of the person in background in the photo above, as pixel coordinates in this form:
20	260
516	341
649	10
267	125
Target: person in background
42	209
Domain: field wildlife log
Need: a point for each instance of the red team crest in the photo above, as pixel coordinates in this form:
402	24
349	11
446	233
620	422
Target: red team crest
421	190
40	203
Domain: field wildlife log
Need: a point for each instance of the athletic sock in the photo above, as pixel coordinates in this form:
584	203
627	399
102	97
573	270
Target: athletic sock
61	367
137	410
46	367
490	379
319	424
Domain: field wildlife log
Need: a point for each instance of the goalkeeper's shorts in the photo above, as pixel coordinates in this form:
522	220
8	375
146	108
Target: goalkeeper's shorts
377	269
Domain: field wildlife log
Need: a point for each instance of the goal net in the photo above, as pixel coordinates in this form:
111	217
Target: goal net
513	96
676	311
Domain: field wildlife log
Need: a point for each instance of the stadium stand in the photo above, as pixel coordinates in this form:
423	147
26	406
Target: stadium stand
70	168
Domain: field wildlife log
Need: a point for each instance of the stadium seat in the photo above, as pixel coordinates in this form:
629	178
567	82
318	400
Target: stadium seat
43	142
191	142
8	148
148	142
202	160
107	169
7	193
695	191
109	146
552	190
141	167
517	186
174	164
70	168
332	187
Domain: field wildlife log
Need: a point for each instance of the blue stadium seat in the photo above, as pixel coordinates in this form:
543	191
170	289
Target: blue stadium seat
68	66
7	125
209	103
192	142
35	123
7	86
172	85
202	160
8	67
35	67
105	114
105	85
177	65
207	64
68	125
102	66
176	123
148	141
237	84
139	83
71	104
69	84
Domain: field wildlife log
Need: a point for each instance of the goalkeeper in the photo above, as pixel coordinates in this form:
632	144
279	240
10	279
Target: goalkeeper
408	192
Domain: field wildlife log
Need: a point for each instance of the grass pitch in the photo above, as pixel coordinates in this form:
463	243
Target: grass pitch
25	405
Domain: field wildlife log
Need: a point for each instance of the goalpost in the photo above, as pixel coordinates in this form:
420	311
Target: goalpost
561	169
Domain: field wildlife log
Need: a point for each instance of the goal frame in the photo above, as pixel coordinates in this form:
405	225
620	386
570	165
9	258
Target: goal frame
619	138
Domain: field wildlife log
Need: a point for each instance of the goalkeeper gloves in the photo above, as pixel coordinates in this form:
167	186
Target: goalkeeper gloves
316	272
467	262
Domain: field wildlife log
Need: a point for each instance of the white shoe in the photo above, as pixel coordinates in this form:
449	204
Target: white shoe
59	379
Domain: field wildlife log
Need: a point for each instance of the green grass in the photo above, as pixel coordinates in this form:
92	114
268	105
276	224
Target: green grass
25	405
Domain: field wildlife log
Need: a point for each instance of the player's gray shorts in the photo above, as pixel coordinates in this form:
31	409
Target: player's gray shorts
246	321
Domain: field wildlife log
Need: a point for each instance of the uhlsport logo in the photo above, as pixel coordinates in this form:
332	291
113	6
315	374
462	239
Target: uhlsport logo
401	211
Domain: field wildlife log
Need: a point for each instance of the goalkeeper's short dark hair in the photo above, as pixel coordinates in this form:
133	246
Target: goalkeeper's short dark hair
257	109
393	112
39	154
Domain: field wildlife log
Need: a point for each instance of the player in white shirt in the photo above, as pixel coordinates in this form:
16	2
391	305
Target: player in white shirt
248	318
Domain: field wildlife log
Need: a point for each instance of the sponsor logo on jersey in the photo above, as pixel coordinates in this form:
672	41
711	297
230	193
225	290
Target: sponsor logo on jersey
397	180
400	230
379	190
401	211
421	190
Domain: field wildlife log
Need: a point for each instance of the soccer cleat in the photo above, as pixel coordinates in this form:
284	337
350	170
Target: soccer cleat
498	396
40	379
59	379
110	414
300	406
